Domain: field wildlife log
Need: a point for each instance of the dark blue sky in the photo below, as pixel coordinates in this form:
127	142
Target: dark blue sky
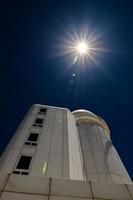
31	73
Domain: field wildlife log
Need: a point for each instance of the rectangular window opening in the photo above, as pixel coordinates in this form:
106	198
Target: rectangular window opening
24	162
27	143
43	110
24	173
39	121
33	137
34	144
16	172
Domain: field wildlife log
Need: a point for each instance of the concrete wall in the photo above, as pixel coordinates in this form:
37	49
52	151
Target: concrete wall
101	160
50	157
14	187
75	154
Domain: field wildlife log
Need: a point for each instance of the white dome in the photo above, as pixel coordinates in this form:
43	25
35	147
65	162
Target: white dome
83	112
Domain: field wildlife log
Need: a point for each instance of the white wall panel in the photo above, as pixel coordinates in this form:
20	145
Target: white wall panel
54	165
9	160
94	143
116	178
46	135
85	143
28	121
82	130
59	113
35	130
34	109
101	131
18	139
65	144
99	161
93	178
110	191
66	170
112	164
28	184
90	167
105	178
91	129
106	145
75	160
28	150
39	164
21	196
70	188
3	180
51	112
57	138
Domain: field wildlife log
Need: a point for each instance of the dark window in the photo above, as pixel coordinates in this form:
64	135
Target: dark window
39	125
24	173
27	143
33	137
39	121
24	162
43	110
16	172
34	144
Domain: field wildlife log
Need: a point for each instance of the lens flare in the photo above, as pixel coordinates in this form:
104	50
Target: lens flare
81	45
82	48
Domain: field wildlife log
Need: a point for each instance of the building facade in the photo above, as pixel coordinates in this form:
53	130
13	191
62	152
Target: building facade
55	144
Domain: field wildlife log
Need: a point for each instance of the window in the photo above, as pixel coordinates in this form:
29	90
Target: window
24	173
24	162
38	122
16	172
23	165
32	139
43	111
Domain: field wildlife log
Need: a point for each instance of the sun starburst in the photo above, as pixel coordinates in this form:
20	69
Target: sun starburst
81	45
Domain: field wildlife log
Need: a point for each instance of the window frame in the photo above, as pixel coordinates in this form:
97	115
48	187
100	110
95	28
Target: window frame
30	142
38	125
41	112
23	171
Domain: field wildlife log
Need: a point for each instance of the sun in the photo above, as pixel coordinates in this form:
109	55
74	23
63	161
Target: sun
82	48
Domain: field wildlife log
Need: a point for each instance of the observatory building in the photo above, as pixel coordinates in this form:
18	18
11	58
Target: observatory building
57	154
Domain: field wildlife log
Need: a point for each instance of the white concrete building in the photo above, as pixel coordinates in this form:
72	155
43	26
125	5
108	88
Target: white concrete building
59	154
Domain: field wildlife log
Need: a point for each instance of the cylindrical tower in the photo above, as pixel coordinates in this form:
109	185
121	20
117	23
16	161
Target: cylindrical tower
101	162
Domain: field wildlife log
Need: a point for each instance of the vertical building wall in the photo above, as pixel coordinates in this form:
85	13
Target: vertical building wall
12	152
101	161
75	154
49	156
